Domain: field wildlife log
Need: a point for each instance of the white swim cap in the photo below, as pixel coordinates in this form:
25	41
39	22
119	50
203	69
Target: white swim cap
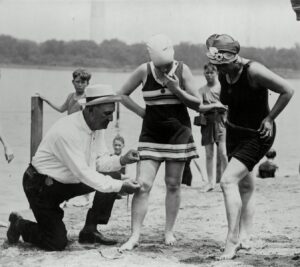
160	49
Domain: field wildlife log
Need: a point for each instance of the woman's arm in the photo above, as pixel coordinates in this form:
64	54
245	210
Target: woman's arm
135	80
61	108
206	107
261	76
191	98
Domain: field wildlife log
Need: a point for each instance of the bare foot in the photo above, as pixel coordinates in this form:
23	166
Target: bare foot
208	187
129	245
230	251
170	239
245	244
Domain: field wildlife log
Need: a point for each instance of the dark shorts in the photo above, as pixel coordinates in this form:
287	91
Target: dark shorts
215	130
247	146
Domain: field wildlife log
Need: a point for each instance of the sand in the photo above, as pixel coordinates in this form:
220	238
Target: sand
200	230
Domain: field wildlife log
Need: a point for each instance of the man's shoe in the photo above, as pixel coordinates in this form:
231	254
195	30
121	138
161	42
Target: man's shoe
95	237
13	233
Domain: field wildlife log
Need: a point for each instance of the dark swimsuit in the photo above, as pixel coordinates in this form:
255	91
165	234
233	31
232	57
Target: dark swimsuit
247	108
166	132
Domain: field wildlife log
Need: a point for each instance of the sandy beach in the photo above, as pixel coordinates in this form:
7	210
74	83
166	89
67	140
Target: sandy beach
200	230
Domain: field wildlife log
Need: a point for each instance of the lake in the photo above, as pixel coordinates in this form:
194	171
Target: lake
18	85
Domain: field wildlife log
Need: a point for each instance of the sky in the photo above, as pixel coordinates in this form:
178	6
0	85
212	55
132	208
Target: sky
258	23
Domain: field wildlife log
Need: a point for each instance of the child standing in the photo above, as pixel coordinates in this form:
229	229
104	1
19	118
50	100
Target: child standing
213	131
80	81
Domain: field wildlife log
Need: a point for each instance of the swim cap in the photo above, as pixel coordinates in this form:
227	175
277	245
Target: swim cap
223	49
160	49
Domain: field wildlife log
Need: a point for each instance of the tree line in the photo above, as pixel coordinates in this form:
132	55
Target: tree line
117	54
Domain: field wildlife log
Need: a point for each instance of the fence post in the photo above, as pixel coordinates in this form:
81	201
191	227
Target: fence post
117	125
36	124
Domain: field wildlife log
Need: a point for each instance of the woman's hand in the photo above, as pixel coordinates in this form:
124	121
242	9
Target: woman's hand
266	128
172	83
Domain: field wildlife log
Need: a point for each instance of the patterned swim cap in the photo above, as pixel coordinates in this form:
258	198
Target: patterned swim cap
223	49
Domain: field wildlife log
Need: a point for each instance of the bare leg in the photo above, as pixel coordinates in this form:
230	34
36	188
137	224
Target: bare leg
233	174
173	181
146	172
247	187
222	160
209	151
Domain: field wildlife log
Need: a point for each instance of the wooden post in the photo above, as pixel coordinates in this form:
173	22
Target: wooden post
117	125
36	124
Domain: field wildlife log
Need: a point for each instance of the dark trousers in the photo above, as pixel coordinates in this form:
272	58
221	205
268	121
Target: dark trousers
45	195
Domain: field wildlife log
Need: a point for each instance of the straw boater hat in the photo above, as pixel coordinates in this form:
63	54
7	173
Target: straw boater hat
99	94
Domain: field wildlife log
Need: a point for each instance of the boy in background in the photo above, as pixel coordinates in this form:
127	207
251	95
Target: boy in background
81	79
212	121
118	145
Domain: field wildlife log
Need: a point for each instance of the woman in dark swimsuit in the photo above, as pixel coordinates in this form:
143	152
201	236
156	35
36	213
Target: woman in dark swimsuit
250	130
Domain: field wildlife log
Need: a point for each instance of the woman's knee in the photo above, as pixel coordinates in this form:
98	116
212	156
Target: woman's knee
227	183
173	185
246	187
145	186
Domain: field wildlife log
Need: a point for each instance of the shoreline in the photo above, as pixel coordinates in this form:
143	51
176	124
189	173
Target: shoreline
285	73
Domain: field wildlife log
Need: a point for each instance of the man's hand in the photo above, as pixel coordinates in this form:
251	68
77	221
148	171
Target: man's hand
131	156
130	187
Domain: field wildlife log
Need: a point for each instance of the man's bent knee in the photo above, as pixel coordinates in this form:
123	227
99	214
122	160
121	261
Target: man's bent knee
56	244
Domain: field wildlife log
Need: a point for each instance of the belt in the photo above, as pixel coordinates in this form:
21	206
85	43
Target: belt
241	128
32	172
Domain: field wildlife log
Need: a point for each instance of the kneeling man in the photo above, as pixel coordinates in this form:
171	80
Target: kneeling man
67	164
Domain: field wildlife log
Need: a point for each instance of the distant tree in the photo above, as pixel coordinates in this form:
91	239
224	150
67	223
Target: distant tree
117	54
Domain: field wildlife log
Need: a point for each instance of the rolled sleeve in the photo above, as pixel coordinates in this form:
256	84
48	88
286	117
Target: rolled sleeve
73	157
107	163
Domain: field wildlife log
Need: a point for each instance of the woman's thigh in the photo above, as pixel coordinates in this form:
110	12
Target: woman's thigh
146	171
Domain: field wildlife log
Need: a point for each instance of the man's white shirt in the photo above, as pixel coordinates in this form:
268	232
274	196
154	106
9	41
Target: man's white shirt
71	152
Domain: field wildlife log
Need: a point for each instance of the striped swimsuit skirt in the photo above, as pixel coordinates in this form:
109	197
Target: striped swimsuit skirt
166	130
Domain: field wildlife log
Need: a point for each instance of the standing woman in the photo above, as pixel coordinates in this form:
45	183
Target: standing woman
168	87
250	130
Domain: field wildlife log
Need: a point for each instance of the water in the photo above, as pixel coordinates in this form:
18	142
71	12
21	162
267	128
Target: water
18	85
